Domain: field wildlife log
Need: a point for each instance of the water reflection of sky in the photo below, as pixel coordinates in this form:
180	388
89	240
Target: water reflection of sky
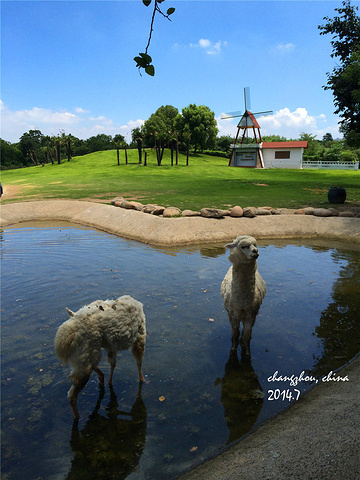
306	322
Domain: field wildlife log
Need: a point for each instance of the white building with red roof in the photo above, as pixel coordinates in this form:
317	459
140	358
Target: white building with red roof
264	154
283	154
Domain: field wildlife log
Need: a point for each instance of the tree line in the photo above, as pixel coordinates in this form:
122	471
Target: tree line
164	129
195	127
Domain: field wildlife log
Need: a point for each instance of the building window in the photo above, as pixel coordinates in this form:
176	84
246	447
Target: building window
282	154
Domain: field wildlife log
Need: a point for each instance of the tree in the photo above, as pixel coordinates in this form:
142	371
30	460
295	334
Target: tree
11	156
327	138
137	136
344	79
119	142
160	130
200	121
223	143
30	146
57	142
314	146
100	142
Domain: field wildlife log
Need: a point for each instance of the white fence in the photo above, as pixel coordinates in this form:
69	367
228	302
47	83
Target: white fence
331	165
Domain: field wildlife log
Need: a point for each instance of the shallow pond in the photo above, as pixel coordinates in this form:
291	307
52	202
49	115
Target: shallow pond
196	399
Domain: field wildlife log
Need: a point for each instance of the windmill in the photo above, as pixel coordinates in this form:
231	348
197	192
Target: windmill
247	122
248	119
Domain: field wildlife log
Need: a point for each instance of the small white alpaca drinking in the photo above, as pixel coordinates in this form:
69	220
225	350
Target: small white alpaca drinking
110	324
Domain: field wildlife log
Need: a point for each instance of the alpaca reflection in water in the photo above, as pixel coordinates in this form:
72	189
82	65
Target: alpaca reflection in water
241	395
109	447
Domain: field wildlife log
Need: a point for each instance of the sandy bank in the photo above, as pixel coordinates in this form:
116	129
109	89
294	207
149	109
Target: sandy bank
155	230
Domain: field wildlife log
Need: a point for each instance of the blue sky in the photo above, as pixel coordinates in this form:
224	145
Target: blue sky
68	65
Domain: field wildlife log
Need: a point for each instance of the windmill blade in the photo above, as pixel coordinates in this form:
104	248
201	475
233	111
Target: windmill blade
266	112
247	100
237	113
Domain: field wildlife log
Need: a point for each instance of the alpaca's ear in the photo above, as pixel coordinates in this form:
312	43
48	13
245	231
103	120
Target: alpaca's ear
71	313
230	245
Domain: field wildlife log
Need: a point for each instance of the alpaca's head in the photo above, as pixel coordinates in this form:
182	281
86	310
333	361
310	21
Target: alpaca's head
243	250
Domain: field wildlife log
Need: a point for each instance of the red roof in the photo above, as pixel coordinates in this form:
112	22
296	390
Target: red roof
297	144
256	125
245	123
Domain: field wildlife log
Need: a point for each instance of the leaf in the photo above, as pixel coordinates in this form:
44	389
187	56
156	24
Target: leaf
162	398
140	62
146	2
211	320
193	449
170	11
146	57
150	70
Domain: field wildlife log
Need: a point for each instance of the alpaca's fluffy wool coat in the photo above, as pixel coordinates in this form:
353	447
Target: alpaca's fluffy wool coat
111	324
243	288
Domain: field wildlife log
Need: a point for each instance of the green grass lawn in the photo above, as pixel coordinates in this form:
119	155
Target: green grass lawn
207	181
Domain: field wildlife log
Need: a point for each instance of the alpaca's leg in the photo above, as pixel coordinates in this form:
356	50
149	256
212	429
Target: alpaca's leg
246	337
100	375
76	387
235	327
138	351
111	356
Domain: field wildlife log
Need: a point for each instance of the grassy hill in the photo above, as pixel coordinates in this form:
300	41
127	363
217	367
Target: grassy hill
207	181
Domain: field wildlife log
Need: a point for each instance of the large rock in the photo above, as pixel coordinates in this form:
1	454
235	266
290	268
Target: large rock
117	200
171	212
263	211
272	210
213	212
322	212
236	211
158	211
136	205
250	212
333	211
149	208
347	213
190	213
127	205
309	210
300	211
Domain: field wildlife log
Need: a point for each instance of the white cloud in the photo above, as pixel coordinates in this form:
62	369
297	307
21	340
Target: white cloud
283	49
49	122
81	110
204	43
286	124
211	48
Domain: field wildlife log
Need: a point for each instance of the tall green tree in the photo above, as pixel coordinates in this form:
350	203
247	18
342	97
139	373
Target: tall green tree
119	142
137	136
344	80
11	156
30	146
200	122
315	147
160	130
100	142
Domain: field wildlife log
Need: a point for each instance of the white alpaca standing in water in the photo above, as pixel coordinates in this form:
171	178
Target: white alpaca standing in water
243	289
111	324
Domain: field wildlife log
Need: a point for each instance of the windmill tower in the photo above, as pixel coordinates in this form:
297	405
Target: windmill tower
246	155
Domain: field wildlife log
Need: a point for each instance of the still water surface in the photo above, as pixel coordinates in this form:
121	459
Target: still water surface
196	399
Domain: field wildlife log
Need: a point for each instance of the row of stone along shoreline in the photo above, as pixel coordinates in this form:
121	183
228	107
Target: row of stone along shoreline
237	211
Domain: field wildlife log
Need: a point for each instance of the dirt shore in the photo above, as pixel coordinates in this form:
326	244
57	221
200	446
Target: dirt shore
318	437
155	230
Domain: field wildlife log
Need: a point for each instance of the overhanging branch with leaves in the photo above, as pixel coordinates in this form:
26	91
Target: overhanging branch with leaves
144	60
